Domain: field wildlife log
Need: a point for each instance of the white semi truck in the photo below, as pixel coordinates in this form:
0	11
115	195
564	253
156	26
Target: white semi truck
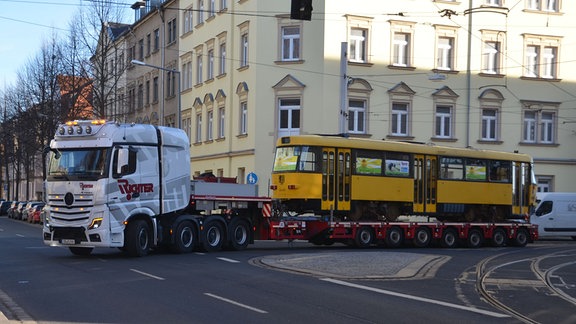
129	186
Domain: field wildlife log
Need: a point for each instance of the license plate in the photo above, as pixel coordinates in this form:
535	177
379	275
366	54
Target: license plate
68	241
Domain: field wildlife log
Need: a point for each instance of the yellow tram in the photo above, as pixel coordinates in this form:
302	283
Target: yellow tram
362	179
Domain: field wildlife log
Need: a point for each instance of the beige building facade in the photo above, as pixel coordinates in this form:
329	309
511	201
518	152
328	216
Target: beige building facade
486	74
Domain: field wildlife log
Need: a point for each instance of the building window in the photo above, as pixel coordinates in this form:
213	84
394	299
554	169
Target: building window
210	126
543	5
289	117
399	119
243	118
401	49
210	71
443	120
200	12
222	58
541	56
148	44
147	92
211	8
223	4
188	21
141	50
187	75
244	50
357	51
155	89
494	2
290	43
199	68
491	57
357	116
489	124
539	126
156	39
140	96
445	58
221	122
171	84
198	128
545	183
172	31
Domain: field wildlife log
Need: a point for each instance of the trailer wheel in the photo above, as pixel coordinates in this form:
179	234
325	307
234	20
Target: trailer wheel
475	238
394	237
422	237
239	235
213	236
80	251
498	238
521	238
137	241
449	238
364	237
184	238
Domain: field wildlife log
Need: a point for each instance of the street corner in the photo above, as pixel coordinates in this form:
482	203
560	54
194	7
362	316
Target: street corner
357	265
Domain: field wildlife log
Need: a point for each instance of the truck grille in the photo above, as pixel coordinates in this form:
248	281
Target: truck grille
70	207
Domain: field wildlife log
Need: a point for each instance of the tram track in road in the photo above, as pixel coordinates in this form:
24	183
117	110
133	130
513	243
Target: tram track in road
526	288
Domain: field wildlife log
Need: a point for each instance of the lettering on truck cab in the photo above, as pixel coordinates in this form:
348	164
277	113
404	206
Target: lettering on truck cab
136	188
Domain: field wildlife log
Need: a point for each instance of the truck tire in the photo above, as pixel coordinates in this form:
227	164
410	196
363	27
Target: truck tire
80	251
137	241
449	238
475	238
499	238
422	237
521	238
364	237
184	238
213	236
394	237
239	235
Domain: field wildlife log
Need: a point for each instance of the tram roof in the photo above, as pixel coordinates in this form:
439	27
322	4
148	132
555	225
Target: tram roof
398	146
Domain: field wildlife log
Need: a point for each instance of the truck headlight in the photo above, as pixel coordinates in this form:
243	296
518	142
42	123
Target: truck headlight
96	222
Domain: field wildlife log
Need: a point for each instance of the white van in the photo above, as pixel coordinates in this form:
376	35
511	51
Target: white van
555	214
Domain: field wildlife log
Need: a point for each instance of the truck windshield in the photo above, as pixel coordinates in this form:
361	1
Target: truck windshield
297	158
78	164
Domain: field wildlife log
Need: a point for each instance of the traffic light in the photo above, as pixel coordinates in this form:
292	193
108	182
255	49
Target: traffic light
301	10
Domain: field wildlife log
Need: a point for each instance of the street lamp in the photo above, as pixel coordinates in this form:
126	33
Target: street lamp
136	62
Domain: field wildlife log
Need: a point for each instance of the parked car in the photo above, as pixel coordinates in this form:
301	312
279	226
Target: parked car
555	215
19	210
35	212
12	209
27	208
4	206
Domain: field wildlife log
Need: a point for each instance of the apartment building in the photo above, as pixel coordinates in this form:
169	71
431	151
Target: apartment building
486	74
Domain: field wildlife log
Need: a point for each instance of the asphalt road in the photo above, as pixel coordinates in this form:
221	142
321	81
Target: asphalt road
286	283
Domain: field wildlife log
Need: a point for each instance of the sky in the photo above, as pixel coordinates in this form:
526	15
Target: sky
25	25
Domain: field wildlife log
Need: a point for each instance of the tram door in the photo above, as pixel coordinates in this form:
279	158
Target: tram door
336	179
425	178
522	188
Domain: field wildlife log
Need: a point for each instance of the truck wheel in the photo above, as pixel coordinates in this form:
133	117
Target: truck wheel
80	251
521	238
213	236
394	237
137	240
449	238
239	235
498	238
422	237
475	239
184	238
364	237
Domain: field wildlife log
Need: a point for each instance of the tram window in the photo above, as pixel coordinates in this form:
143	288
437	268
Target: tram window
397	165
475	169
292	158
451	168
500	171
368	162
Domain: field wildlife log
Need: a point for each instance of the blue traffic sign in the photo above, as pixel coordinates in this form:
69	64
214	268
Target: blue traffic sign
252	178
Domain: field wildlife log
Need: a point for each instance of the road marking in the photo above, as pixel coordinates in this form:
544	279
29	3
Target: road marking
147	274
229	260
421	299
20	235
236	303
